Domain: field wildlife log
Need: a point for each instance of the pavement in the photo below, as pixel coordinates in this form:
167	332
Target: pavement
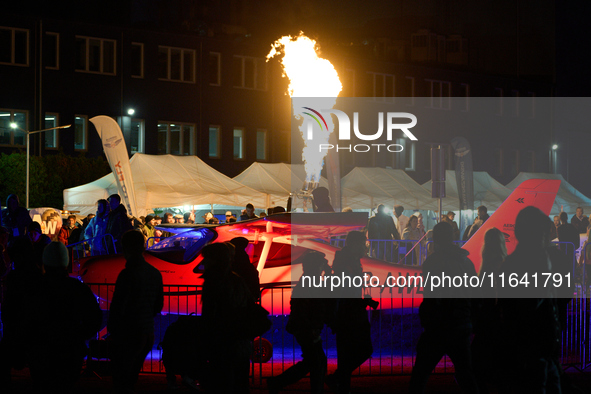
156	383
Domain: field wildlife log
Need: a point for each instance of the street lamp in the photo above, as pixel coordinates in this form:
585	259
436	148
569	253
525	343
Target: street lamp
28	133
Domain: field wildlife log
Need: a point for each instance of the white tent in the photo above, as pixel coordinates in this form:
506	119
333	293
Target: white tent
568	197
276	180
366	187
487	191
167	181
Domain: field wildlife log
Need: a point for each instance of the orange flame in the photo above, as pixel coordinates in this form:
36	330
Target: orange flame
309	76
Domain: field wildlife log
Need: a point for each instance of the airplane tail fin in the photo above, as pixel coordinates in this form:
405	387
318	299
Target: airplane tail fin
539	193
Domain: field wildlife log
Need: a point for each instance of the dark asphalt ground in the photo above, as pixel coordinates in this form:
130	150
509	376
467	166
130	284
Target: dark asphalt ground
156	383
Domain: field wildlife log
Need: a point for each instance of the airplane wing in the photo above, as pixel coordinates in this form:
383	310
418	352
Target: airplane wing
539	193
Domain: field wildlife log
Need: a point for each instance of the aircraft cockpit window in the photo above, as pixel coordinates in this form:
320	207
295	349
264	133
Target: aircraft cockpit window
182	248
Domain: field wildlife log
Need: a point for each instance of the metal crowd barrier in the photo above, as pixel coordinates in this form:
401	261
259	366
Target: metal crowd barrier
395	330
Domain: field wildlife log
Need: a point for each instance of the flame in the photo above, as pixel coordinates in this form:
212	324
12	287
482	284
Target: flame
309	76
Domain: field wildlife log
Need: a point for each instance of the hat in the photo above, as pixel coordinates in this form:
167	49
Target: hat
149	219
208	216
178	216
55	254
229	213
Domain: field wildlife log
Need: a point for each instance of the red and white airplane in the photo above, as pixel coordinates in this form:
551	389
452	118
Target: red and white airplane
277	240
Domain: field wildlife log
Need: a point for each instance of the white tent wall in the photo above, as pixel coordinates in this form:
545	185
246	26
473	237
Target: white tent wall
169	181
568	197
83	198
277	181
487	191
366	187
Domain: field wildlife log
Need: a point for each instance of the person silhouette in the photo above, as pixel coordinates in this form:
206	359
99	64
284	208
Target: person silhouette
351	325
137	299
445	315
306	321
531	323
67	313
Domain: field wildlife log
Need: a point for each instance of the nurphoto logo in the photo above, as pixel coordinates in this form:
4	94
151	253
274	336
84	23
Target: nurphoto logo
316	119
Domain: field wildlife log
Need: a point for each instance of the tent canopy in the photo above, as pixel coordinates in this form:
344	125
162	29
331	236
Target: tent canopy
366	187
276	180
167	181
487	191
568	197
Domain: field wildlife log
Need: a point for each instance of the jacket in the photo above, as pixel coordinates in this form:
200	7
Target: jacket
118	223
97	228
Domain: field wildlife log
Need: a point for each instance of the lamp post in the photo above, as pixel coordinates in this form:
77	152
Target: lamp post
27	134
553	154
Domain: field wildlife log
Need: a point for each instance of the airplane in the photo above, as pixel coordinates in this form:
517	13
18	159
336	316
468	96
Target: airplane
277	240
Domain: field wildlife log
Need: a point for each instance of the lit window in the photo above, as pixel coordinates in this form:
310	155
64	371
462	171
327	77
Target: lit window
51	136
238	143
261	144
8	134
137	136
80	132
176	138
214	141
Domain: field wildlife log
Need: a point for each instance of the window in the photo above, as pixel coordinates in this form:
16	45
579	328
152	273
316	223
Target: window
530	105
440	94
136	140
349	83
261	144
214	142
52	51
176	138
409	90
499	96
250	73
514	163
137	60
51	136
465	92
238	143
383	87
529	161
14	46
408	153
215	68
498	161
515	106
9	135
80	132
176	64
95	55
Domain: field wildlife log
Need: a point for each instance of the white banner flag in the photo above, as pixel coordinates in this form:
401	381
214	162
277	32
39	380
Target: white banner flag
116	152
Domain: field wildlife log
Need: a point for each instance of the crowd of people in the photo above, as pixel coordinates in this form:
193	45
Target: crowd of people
477	331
